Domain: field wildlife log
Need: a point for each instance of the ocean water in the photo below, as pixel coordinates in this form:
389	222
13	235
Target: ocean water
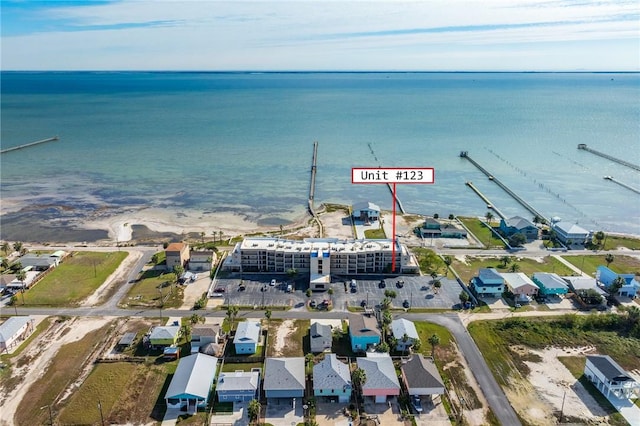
242	143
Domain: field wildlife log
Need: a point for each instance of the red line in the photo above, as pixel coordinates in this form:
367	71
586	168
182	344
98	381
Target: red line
393	233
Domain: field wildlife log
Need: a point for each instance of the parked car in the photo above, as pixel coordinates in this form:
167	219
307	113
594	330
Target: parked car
313	304
416	403
382	284
400	283
289	288
219	290
363	303
353	286
272	283
405	304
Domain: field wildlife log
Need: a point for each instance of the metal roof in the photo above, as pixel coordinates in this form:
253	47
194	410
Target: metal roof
607	366
247	332
11	326
194	376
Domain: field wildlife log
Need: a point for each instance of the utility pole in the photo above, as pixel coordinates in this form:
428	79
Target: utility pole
562	408
161	303
100	409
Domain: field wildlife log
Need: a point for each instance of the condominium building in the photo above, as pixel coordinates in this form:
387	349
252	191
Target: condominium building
320	257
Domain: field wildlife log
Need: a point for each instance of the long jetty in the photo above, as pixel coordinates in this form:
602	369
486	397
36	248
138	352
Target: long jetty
584	147
26	145
490	205
393	194
312	189
523	203
629	187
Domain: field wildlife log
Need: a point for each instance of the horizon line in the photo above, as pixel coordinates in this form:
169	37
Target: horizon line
331	71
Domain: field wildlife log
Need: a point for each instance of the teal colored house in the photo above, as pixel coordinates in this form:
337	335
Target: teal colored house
363	332
488	283
550	284
332	380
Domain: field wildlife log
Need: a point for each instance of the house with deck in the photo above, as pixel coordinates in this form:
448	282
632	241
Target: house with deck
284	377
522	287
201	260
630	288
519	225
421	377
550	284
381	381
363	332
238	386
14	331
609	378
247	337
332	380
570	233
366	212
204	334
488	283
405	333
191	383
432	228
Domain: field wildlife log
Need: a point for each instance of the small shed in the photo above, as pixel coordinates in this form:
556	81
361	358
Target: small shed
126	341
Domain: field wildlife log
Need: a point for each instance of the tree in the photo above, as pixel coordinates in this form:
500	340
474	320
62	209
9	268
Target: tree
292	273
21	276
448	260
232	311
5	263
202	237
505	260
609	259
489	217
382	347
267	315
417	344
599	237
464	297
14	301
281	228
434	275
17	246
616	285
437	284
451	217
358	379
514	267
517	240
391	294
436	215
385	304
253	409
5	248
195	319
178	270
434	341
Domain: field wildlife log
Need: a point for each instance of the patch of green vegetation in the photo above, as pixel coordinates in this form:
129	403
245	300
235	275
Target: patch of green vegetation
74	279
614	242
153	285
375	234
482	232
429	261
44	324
469	269
330	208
620	265
244	366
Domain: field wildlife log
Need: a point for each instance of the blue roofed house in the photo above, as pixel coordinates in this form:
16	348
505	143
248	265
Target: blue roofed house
238	386
321	337
631	285
488	283
191	383
284	377
332	380
405	334
247	337
363	332
519	225
550	284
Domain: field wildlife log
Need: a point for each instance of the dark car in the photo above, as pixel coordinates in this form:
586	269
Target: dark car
219	290
382	284
405	304
363	303
313	303
400	283
242	287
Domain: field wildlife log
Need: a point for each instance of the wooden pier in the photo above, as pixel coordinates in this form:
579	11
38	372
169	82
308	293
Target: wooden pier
490	205
26	145
312	190
523	203
584	147
394	195
624	185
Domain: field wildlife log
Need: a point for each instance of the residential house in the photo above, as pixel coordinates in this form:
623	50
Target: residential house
177	254
14	331
166	335
366	212
610	378
421	377
321	337
363	332
38	262
570	233
522	287
201	260
332	380
5	279
519	225
405	333
577	284
29	280
631	285
432	228
284	377
238	386
488	283
191	383
247	337
203	334
382	381
549	284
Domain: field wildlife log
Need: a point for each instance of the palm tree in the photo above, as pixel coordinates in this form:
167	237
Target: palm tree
358	379
14	301
17	246
609	259
267	315
616	285
195	318
232	311
21	276
253	409
514	267
488	217
5	263
434	341
437	284
599	237
5	248
202	237
505	260
178	270
434	275
447	261
405	340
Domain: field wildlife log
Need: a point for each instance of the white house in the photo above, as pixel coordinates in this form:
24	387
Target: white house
192	382
13	331
610	378
570	233
405	334
366	212
247	337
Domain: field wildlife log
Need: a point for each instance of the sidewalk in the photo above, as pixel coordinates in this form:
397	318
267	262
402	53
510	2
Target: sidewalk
570	266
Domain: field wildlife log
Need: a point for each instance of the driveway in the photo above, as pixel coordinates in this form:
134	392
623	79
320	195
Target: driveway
385	413
239	416
433	413
331	414
283	412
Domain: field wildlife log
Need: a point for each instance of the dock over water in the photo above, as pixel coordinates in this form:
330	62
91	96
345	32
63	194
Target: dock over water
490	205
312	189
523	203
624	185
584	147
26	145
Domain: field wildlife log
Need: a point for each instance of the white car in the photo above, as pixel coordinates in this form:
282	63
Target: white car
272	283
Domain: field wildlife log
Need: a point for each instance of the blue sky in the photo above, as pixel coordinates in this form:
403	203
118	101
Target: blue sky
430	35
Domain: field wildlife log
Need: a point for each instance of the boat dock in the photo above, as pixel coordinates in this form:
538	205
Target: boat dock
490	205
312	189
629	187
523	203
584	147
394	195
26	145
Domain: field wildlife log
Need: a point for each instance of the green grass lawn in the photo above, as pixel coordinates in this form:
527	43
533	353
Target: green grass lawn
429	261
74	279
468	270
153	283
620	265
244	366
375	234
483	233
612	243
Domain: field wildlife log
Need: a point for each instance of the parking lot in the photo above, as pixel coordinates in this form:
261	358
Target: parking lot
414	292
